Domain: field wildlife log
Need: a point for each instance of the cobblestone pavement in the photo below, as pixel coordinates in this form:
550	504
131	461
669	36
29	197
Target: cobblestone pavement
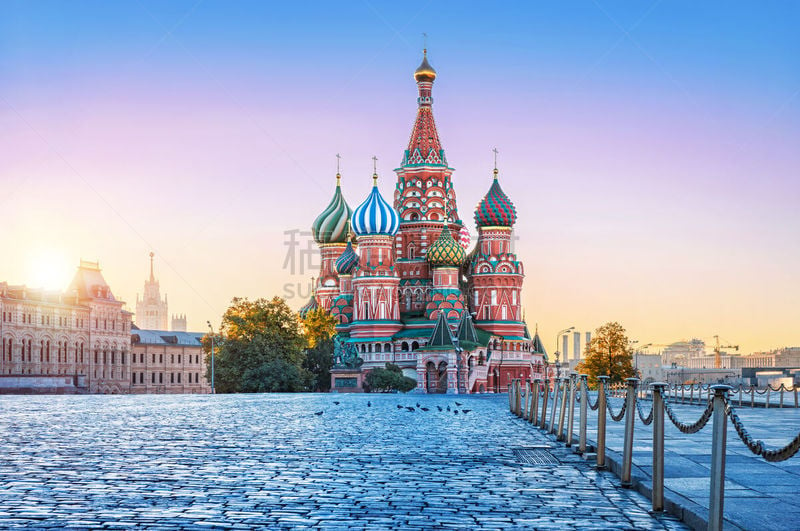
268	461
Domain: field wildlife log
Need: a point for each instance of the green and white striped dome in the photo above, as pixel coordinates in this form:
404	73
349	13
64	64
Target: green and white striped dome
331	225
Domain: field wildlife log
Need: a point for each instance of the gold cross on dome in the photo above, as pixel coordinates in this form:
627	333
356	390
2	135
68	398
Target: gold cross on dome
495	157
338	159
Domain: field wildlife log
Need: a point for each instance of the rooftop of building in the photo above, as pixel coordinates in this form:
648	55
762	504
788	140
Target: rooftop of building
166	337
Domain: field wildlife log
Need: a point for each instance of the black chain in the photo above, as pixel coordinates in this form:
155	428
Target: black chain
649	418
616	418
757	447
690	428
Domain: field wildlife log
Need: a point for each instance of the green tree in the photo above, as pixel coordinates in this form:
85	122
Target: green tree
608	353
260	348
389	379
319	327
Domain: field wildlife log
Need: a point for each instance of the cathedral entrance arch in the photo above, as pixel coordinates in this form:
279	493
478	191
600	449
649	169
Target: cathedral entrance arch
442	388
436	377
431	377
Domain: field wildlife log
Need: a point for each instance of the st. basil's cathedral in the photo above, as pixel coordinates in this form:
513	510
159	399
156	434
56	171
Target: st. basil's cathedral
403	288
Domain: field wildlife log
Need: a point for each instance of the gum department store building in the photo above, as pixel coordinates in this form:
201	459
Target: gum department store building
404	290
83	341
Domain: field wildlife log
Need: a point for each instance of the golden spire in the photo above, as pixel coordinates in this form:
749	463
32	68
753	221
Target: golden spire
338	175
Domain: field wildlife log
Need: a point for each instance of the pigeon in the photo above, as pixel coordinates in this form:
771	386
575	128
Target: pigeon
369	404
440	408
424	409
337	403
455	412
458	403
399	406
417	404
465	411
410	408
448	408
318	413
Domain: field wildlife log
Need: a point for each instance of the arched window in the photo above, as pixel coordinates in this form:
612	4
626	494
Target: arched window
414	346
404	346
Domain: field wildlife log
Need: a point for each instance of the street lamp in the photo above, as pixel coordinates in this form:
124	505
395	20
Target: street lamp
558	363
212	356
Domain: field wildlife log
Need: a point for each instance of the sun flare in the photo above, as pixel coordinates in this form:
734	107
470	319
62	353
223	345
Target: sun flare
49	269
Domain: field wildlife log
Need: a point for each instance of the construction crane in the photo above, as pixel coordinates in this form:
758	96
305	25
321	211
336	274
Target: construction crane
717	349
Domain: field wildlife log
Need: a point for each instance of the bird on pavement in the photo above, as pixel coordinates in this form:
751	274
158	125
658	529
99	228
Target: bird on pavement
458	403
417	404
318	413
410	408
399	406
337	403
448	408
455	412
465	411
424	409
369	404
440	408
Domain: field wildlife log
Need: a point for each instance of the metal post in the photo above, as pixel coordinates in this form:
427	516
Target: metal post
658	446
510	397
573	377
212	356
601	422
627	448
527	400
766	404
533	414
556	393
691	394
781	396
718	444
584	411
565	396
683	392
752	396
740	395
543	423
795	395
518	398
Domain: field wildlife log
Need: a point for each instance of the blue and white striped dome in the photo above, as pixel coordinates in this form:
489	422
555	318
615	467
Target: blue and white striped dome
375	216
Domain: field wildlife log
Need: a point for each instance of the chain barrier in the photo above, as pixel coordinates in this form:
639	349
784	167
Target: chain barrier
757	447
596	404
690	428
646	420
616	418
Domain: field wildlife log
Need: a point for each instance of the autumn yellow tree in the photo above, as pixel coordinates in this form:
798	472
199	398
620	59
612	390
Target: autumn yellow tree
609	353
319	328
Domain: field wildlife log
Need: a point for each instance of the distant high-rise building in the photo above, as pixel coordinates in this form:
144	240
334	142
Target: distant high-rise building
151	310
565	348
588	338
179	323
576	345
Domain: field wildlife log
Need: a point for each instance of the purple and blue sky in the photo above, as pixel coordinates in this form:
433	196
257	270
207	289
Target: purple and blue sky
651	148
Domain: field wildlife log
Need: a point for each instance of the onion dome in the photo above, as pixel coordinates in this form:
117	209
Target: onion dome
445	251
495	209
331	225
375	216
310	306
347	261
425	71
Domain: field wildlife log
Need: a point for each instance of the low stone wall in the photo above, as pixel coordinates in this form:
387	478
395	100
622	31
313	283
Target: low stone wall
40	384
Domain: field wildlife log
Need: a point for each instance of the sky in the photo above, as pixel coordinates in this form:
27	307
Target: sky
651	148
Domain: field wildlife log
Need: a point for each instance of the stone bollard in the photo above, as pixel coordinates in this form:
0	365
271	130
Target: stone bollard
584	413
718	448
795	395
545	397
573	376
601	422
565	396
518	399
556	393
766	404
781	405
630	417
752	396
510	397
658	445
533	414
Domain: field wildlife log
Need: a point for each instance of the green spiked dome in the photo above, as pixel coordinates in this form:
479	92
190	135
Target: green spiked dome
331	225
445	251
